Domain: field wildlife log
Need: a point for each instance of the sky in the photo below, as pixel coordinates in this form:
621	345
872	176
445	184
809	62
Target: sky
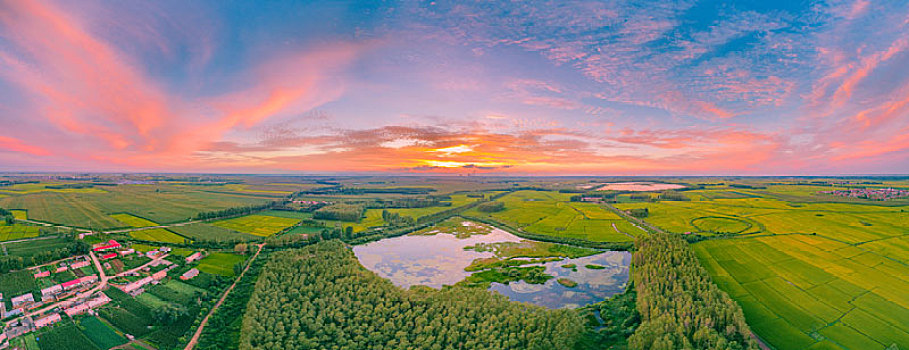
768	87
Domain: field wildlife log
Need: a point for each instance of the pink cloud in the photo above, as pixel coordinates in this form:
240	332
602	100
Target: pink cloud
86	88
16	145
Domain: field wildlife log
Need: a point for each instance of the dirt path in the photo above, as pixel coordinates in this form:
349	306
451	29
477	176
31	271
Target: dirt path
192	343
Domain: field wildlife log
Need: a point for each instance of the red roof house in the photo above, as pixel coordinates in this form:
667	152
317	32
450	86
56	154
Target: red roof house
105	246
108	256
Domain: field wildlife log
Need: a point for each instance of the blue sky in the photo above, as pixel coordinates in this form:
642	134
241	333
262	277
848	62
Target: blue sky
530	87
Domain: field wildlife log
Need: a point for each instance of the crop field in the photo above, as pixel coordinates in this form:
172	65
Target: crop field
220	263
157	203
287	214
20	214
14	232
42	187
100	333
32	247
808	291
133	221
550	213
15	283
65	336
259	225
210	233
158	235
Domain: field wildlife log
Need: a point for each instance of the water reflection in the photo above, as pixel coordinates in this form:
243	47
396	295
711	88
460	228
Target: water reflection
440	259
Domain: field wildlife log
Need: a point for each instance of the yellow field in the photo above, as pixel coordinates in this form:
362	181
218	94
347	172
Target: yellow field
20	214
133	221
259	225
158	235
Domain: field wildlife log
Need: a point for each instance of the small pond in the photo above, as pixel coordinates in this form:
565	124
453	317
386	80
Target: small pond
440	259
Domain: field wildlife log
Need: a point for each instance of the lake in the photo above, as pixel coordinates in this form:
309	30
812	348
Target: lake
440	259
639	186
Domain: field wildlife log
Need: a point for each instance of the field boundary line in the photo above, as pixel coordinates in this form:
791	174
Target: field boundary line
195	339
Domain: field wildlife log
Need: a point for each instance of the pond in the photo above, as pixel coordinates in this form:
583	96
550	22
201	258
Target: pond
440	259
639	186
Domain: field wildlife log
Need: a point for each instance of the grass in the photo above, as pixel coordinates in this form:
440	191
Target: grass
211	233
259	225
551	213
220	263
100	333
456	226
567	282
158	235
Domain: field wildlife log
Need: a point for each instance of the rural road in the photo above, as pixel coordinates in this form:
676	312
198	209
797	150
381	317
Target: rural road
192	342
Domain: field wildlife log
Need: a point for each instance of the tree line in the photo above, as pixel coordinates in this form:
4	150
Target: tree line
680	306
236	211
320	297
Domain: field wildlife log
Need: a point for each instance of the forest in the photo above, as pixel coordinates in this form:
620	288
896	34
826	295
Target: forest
680	306
321	297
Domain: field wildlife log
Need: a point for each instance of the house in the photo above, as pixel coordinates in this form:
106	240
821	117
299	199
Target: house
88	305
165	249
79	265
111	244
46	321
160	275
26	298
52	290
195	256
42	274
190	274
130	287
151	254
127	252
108	256
61	269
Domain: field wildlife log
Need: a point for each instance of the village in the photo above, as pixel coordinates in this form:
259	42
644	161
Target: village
80	285
880	194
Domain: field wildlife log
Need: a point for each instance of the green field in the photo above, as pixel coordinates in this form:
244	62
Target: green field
13	284
32	247
158	235
93	207
220	263
100	333
64	335
802	290
208	233
551	213
259	225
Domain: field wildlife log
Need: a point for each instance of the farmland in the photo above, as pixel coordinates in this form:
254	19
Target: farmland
158	235
259	225
800	291
551	213
808	273
220	263
133	221
158	203
16	232
211	233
